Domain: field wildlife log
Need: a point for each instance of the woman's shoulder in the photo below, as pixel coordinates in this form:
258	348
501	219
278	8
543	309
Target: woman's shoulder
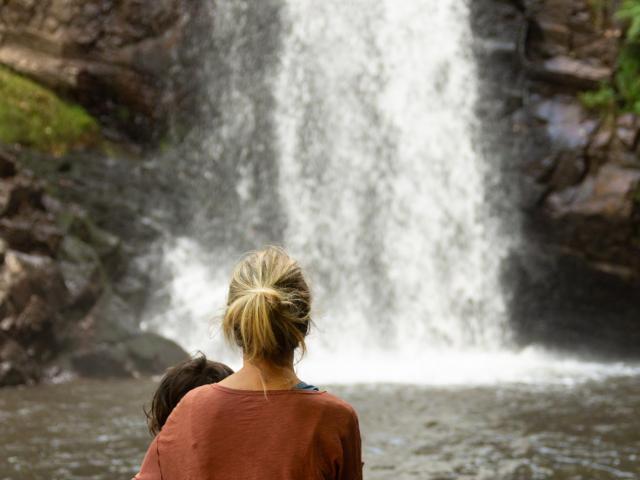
334	404
322	399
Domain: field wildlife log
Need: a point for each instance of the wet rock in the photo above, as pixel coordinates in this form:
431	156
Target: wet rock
567	123
152	353
142	353
7	166
34	319
112	319
627	131
102	361
609	194
84	236
11	375
82	272
570	168
33	233
16	366
58	310
33	275
21	193
564	302
557	37
576	73
541	167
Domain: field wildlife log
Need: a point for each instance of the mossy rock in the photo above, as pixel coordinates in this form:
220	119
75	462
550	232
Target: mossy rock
34	116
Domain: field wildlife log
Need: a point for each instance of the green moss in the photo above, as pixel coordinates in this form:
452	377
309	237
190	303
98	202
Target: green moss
34	116
630	11
603	99
599	9
627	79
622	93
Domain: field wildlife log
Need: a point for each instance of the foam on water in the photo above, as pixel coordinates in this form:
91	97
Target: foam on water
199	298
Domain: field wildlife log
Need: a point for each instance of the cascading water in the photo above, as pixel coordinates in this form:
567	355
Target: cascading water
382	189
345	131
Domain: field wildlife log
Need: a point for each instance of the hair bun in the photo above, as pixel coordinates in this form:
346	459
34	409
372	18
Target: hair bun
268	305
270	293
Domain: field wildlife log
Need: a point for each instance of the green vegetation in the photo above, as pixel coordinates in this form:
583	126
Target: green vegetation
599	9
623	92
603	99
34	116
630	10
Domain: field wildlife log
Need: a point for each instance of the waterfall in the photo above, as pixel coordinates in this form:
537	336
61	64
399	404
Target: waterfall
382	187
345	131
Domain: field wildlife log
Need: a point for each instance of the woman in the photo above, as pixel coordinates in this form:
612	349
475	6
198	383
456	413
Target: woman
261	422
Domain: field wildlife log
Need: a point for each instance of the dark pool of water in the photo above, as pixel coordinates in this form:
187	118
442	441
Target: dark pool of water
96	430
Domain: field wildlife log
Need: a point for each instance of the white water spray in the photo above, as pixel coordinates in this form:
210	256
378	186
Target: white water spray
382	194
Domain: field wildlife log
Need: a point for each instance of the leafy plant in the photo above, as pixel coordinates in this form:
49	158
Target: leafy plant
627	79
630	10
599	9
603	99
624	91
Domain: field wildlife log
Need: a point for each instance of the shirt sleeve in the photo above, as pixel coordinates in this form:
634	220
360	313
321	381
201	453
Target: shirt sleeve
352	452
150	469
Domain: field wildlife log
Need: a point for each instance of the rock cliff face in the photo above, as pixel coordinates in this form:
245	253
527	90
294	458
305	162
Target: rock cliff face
588	177
130	62
577	274
59	312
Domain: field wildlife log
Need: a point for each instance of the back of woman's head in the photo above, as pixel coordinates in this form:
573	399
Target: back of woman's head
179	380
268	307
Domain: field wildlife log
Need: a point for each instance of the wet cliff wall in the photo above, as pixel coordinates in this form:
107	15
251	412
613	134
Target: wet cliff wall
86	87
560	76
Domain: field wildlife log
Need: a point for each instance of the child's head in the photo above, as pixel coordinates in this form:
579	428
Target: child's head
178	380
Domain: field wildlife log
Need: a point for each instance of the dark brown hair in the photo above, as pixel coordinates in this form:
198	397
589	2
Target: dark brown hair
178	380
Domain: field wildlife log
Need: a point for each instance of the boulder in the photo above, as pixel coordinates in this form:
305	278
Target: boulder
16	365
610	194
152	353
25	275
102	361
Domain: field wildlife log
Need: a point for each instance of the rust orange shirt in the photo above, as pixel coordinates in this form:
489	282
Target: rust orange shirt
219	433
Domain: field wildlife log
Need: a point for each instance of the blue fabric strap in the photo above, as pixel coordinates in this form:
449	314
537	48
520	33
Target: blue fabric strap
306	386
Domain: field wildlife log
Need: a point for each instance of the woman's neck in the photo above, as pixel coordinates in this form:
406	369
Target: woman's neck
263	375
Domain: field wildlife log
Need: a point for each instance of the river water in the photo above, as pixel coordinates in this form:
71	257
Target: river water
585	431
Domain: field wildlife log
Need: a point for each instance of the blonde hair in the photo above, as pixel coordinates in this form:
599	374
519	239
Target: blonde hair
268	307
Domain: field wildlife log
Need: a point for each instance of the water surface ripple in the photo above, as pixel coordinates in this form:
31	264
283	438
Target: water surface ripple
96	430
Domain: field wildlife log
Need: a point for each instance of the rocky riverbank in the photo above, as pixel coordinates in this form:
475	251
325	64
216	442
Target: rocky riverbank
60	314
70	294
